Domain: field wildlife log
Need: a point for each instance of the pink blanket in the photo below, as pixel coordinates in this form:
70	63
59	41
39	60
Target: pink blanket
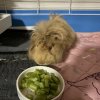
81	69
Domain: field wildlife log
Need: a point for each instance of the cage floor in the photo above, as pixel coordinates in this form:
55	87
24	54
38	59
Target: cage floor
10	67
80	69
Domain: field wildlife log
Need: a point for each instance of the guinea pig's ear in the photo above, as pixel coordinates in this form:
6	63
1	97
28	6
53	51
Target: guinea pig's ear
53	16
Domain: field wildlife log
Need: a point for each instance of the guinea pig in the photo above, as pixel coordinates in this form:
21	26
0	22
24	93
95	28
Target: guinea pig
50	40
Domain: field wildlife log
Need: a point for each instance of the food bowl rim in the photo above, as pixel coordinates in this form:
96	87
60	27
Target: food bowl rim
40	67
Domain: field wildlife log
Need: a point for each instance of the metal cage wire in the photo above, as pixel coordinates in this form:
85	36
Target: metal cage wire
69	4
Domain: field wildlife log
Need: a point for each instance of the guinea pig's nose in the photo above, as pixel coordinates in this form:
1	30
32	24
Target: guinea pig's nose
50	47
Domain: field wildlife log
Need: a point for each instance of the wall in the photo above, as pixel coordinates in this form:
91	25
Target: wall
82	15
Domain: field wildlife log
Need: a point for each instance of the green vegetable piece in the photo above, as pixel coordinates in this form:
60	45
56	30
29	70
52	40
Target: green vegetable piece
33	87
50	96
42	76
55	78
40	92
24	85
40	97
53	86
53	92
41	85
46	83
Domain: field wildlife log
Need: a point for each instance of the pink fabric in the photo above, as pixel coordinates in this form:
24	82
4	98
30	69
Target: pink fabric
81	68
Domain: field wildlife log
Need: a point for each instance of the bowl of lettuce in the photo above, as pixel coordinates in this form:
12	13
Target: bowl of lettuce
40	83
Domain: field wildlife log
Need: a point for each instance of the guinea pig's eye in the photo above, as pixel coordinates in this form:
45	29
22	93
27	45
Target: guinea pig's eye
56	38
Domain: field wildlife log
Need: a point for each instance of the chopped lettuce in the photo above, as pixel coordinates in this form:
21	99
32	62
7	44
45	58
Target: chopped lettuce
40	85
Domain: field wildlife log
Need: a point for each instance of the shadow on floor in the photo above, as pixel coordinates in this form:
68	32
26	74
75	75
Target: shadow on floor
14	38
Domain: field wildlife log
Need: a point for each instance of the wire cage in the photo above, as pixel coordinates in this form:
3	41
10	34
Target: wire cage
26	13
69	6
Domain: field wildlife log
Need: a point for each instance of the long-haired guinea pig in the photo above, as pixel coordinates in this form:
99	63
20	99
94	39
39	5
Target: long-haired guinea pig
50	39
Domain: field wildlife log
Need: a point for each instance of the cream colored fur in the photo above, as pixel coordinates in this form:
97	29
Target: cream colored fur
50	40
